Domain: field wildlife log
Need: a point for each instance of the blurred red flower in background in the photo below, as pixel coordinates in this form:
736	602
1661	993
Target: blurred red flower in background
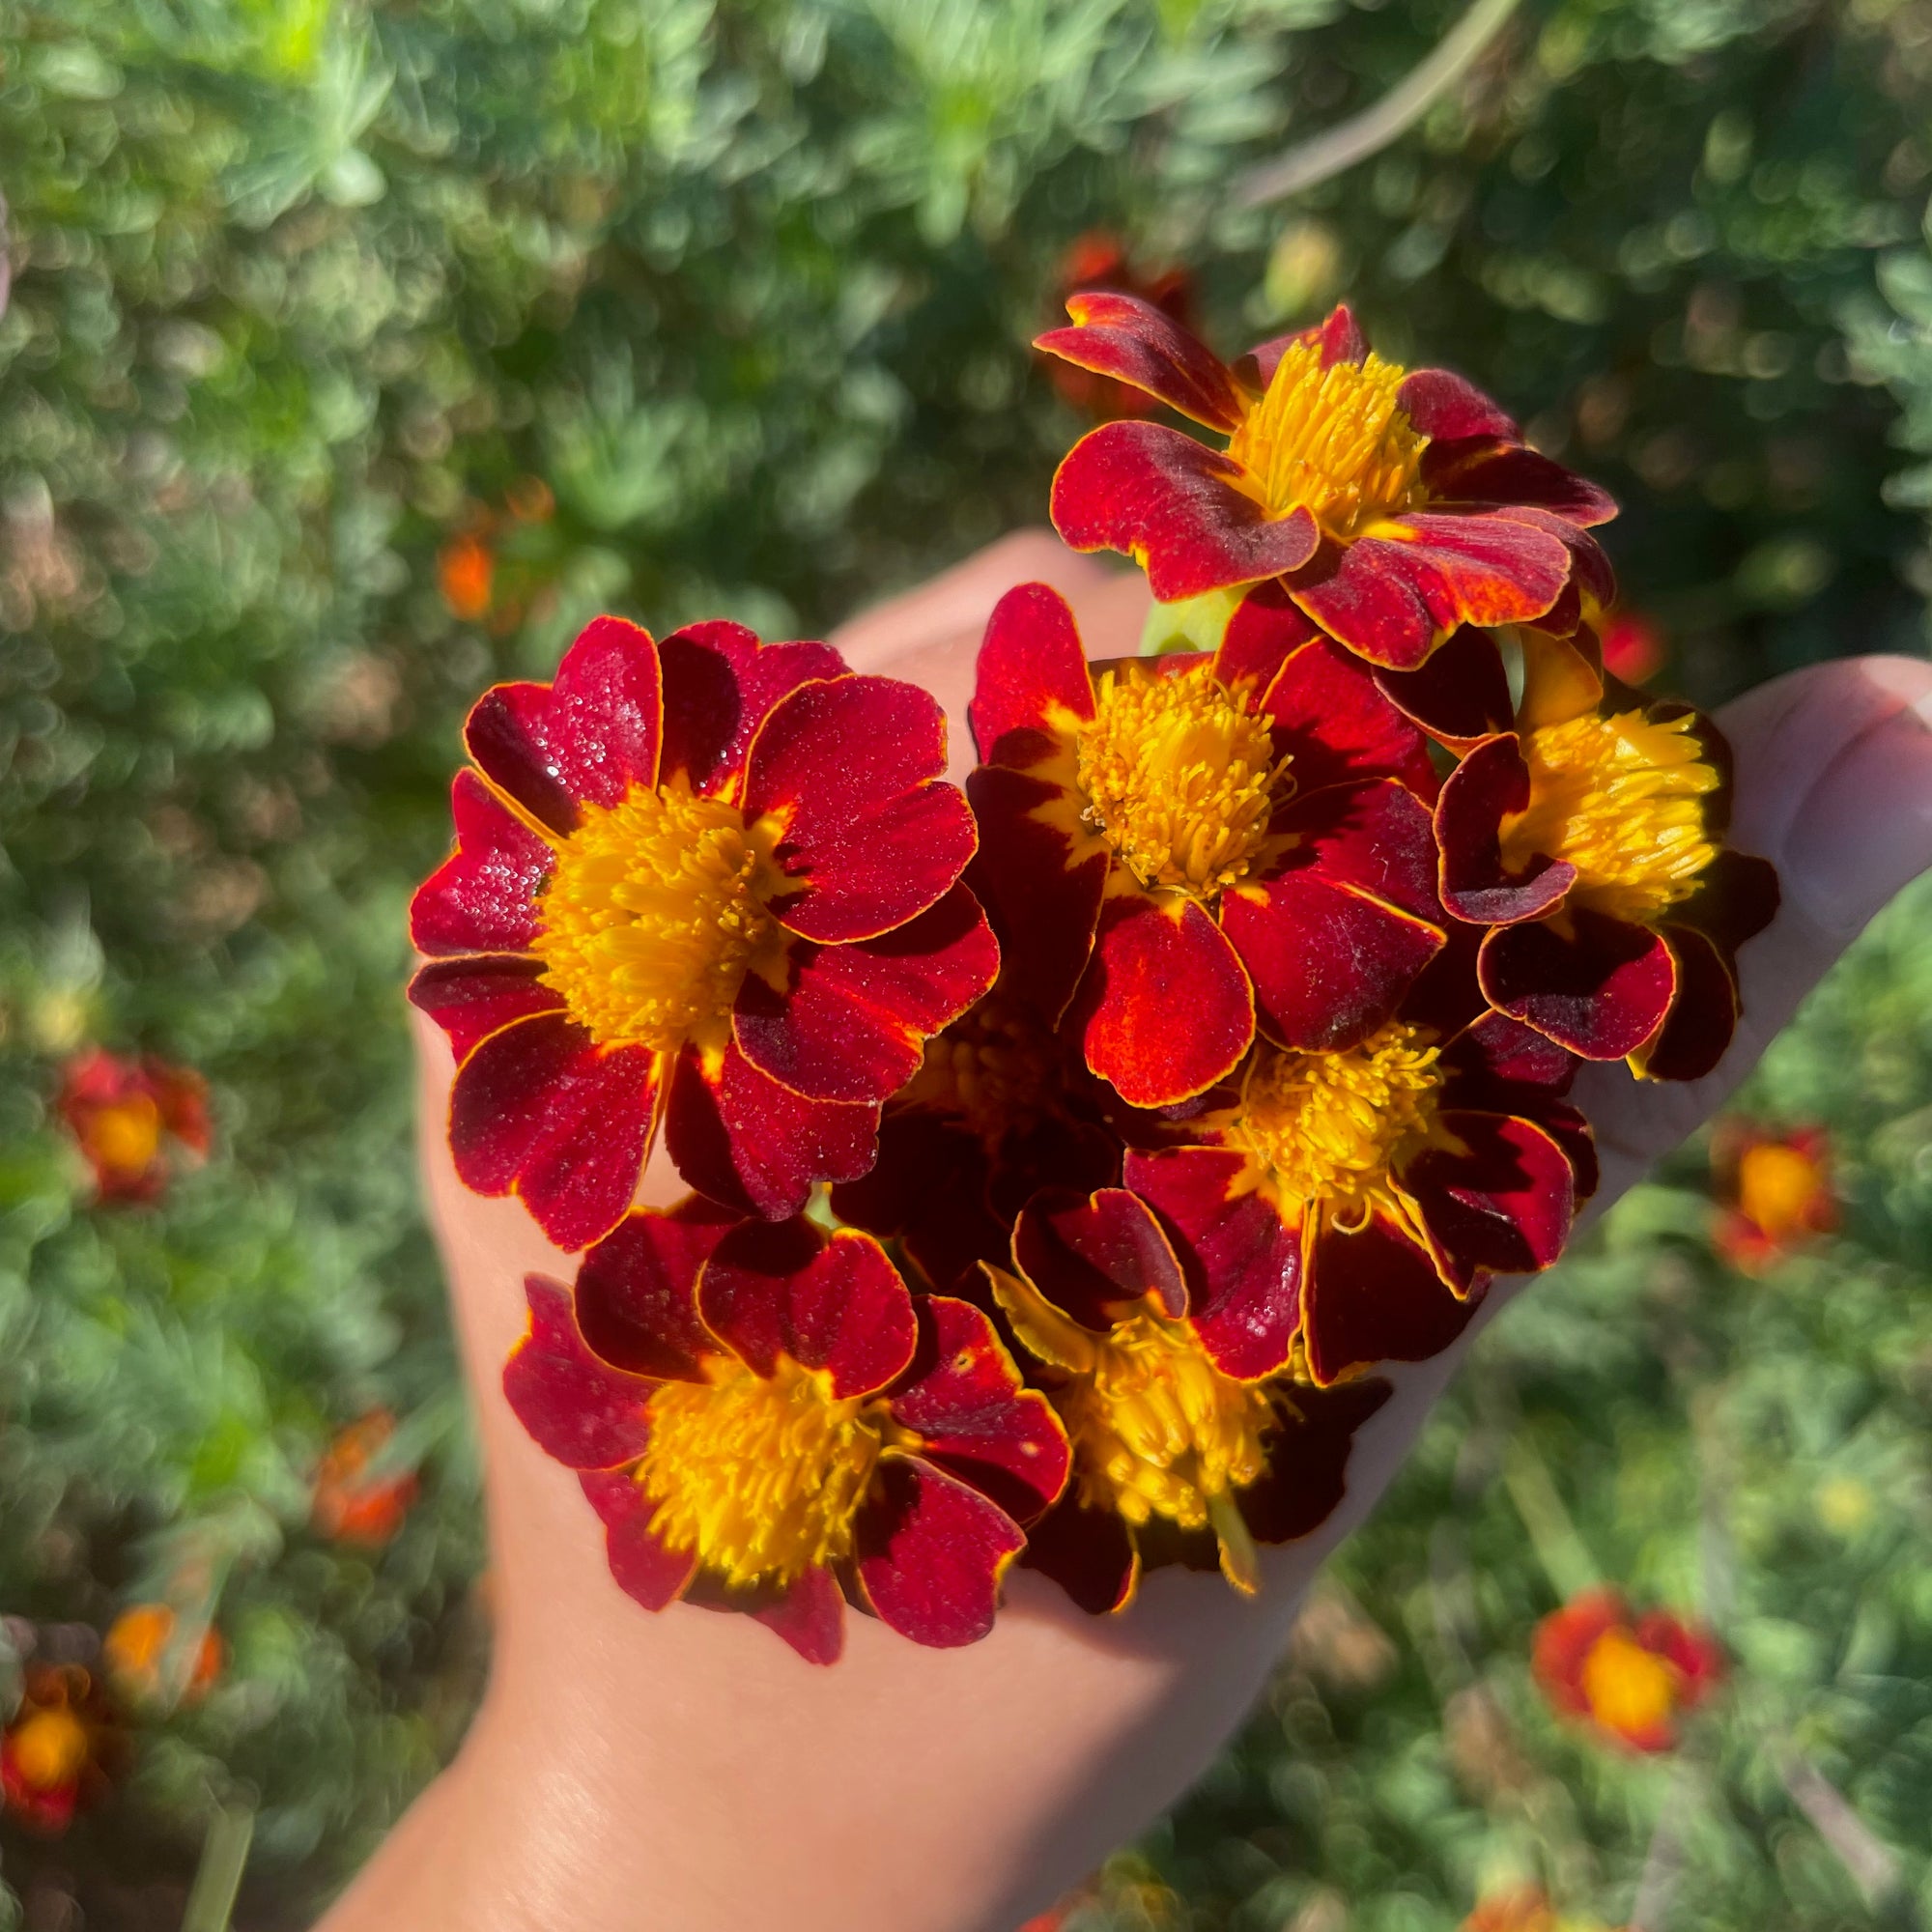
57	1754
1774	1192
352	1505
122	1112
1634	646
1630	1677
1099	260
135	1652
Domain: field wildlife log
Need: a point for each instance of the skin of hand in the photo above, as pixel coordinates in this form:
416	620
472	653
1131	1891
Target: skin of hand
687	1772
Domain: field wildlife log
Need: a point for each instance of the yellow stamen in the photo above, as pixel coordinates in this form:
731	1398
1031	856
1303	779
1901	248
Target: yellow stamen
1619	797
655	913
1328	1129
1333	442
1630	1689
1180	777
760	1476
999	1069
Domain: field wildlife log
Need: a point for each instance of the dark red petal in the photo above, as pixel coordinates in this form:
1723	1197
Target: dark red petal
637	1289
1176	508
871	838
1377	835
961	1396
1341	337
1099	1257
933	1554
853	1022
580	1411
1087	1552
1498	1059
928	1190
592	734
483	897
1374	1296
719	684
739	1136
1566	1126
642	1568
1736	898
836	1305
1446	407
1601	992
1042	897
1394	600
1504	1203
1243	1265
1134	342
1166	1010
1266	626
811	1617
540	1111
1031	672
471	998
1489	785
1703	1015
1462	694
1513	476
1308	1458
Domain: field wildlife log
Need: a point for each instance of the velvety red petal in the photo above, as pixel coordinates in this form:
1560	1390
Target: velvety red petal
1503	1204
1374	1296
1134	342
1446	407
1243	1265
928	1190
1565	1639
961	1396
1737	897
736	1134
642	1568
1513	476
811	1617
1602	992
1500	1059
473	997
1702	1018
540	1111
1308	1458
580	1411
483	897
592	734
637	1289
1031	670
870	838
1377	835
1491	782
1087	1552
1099	1257
836	1305
1166	1008
720	683
1461	695
1566	1126
1341	337
932	1553
1176	508
853	1022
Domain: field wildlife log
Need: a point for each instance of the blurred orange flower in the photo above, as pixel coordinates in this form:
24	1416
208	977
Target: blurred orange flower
1099	260
123	1112
1634	646
1774	1192
1523	1908
55	1756
351	1506
466	571
1630	1677
135	1653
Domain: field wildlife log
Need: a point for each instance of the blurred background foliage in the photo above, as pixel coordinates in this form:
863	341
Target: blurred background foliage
355	356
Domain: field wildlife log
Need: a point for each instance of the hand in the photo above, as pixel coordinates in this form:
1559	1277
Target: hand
687	1771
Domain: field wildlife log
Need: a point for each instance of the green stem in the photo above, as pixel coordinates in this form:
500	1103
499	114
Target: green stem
224	1852
1565	1557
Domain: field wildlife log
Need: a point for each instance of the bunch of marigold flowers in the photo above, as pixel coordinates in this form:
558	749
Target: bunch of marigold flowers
1066	1156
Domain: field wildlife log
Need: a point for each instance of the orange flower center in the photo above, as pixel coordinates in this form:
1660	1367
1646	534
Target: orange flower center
760	1476
49	1749
1327	1129
1621	798
1333	441
1778	1189
654	915
998	1069
1180	777
1630	1690
126	1136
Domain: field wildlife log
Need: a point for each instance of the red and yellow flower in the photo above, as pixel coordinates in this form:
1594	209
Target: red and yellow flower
124	1113
1191	1445
1629	1677
148	1665
767	1420
1774	1192
1176	849
711	882
1587	832
1392	504
57	1755
355	1502
1099	261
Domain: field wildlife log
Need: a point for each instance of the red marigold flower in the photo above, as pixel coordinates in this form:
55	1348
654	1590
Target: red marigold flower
352	1505
1366	1194
58	1753
1774	1192
1629	1677
712	882
136	1652
1236	837
1189	1446
123	1112
1099	260
1587	832
768	1421
1393	505
1634	646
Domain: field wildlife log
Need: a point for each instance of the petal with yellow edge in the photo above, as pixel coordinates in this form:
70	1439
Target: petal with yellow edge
720	681
931	1551
1132	341
1602	989
471	996
1372	1296
637	1290
579	1409
483	897
640	1565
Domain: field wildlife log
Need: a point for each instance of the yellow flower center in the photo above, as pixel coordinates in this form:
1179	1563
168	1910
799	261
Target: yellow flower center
49	1749
1327	1128
654	915
1621	798
998	1069
760	1476
126	1136
1630	1689
1778	1188
1180	777
1333	441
